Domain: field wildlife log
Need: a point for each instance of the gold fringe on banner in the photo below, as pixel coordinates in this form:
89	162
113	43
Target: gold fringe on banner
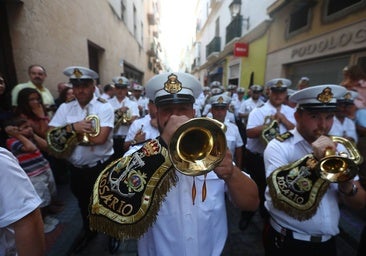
297	189
128	193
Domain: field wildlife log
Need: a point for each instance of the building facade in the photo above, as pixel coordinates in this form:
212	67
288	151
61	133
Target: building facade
112	37
316	39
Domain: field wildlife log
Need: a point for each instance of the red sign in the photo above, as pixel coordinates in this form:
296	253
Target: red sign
241	50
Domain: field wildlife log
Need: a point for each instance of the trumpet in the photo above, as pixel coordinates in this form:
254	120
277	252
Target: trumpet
96	127
341	167
198	146
271	129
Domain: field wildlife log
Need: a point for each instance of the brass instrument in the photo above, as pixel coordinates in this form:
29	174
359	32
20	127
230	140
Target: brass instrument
198	146
271	129
342	167
122	118
96	127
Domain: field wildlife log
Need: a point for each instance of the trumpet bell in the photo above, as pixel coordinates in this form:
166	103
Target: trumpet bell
337	169
343	167
198	146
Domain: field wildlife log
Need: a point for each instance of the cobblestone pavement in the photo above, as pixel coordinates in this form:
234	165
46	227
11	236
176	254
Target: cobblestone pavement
247	242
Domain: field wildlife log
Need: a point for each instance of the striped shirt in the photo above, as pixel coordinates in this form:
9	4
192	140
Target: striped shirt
33	163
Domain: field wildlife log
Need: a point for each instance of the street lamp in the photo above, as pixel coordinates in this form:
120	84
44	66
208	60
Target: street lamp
235	9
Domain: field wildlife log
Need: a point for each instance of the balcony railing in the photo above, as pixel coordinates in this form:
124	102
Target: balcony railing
233	30
213	46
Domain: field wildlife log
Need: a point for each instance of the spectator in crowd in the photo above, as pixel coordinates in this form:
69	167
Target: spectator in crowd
25	146
60	87
37	75
21	226
30	106
5	108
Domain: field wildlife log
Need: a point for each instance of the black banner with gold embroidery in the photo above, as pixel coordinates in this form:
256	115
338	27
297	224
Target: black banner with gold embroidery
128	193
297	189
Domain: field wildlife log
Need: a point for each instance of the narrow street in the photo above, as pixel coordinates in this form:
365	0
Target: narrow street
247	242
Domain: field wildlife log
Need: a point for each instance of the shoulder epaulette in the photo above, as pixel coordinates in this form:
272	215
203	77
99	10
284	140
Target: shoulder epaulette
102	100
284	136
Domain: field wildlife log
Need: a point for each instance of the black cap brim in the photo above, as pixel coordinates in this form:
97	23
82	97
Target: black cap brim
174	99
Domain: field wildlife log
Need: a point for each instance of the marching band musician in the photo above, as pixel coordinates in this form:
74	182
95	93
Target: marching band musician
143	128
126	111
219	107
249	104
142	101
275	109
154	201
303	203
88	158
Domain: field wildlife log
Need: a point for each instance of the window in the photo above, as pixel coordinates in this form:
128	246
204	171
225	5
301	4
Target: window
335	9
299	20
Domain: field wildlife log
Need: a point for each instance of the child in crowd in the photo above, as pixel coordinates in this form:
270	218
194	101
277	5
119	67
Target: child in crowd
25	146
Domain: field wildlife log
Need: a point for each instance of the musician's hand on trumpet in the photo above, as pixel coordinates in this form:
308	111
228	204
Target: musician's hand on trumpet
225	169
323	146
83	126
281	119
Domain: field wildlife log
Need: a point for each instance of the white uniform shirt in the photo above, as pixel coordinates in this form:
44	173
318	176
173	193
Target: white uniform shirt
182	228
17	198
133	108
249	104
150	131
256	118
71	112
142	101
345	129
229	116
325	221
236	105
233	137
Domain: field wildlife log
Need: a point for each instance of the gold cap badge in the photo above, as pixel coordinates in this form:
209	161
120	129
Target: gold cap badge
220	100
325	96
347	96
172	85
279	83
77	73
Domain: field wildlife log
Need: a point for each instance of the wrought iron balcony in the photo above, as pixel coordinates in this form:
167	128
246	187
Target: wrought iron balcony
213	46
233	30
